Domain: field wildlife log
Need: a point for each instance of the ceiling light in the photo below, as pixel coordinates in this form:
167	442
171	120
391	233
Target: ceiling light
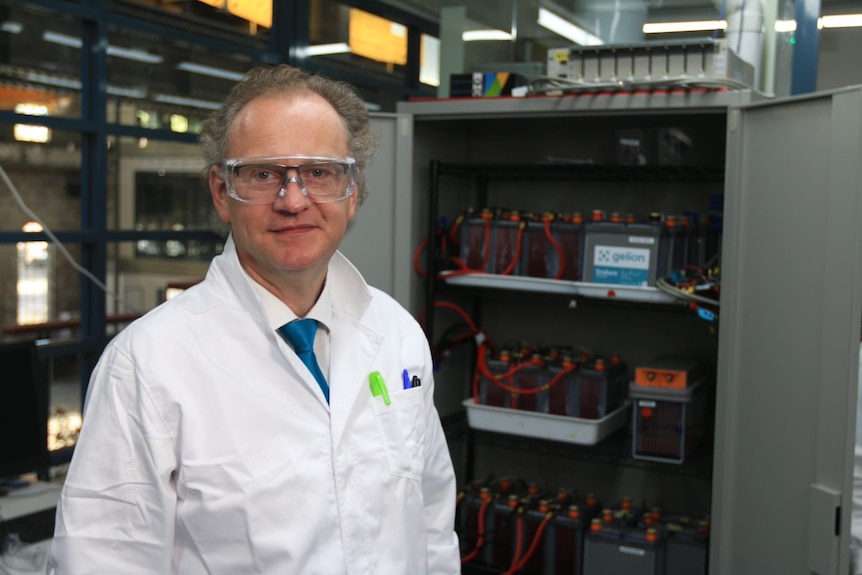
127	53
192	102
136	93
566	29
325	49
30	133
137	55
11	27
693	26
61	39
479	35
785	25
52	80
209	71
840	21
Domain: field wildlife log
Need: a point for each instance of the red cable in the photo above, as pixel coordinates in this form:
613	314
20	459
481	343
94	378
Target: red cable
560	255
533	545
519	542
482	367
480	539
517	255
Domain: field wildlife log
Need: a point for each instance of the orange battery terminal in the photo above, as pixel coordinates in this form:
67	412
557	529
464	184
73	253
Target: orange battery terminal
597	216
574	512
512	501
607	515
577	218
596	525
562	496
651	535
626	503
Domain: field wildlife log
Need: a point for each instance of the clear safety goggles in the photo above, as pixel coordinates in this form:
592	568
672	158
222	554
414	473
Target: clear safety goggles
322	179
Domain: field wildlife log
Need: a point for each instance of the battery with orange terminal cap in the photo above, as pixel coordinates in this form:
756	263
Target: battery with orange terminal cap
612	547
507	232
569	230
601	386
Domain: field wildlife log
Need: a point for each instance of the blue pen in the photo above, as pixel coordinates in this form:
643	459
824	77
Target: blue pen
406	377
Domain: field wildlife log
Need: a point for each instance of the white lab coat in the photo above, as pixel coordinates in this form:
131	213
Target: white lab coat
207	446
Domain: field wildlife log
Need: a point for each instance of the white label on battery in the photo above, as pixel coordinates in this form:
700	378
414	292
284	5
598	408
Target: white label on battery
621	265
641	240
645	403
632	551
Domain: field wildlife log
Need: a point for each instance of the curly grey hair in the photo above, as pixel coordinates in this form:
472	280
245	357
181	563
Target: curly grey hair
284	79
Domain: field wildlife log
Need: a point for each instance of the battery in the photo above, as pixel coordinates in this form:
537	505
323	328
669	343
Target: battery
506	238
531	378
474	240
615	549
671	372
569	233
687	546
667	423
622	254
563	392
540	257
564	541
600	387
535	527
489	392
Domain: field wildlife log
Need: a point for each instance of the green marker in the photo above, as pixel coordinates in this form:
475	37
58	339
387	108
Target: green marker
378	386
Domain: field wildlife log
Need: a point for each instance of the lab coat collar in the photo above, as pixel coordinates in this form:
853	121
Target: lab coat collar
354	342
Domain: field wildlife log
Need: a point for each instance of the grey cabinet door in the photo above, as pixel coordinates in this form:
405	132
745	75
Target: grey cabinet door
790	327
380	240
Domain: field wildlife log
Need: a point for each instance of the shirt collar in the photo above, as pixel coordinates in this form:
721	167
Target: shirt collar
277	313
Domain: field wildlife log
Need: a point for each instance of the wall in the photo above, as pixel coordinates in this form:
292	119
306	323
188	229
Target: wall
838	61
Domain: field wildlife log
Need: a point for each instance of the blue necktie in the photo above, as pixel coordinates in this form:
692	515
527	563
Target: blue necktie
300	335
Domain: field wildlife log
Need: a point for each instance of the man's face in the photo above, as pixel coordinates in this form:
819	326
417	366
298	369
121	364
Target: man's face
293	233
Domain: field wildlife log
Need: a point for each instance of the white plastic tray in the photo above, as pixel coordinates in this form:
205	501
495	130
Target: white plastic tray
545	425
545	285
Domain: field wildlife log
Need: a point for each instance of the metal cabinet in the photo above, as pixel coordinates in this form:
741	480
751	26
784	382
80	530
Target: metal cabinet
778	488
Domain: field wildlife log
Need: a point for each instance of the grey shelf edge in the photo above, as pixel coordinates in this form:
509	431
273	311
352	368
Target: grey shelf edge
584	103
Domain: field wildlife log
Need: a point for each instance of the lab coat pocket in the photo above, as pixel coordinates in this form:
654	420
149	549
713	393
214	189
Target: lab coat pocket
402	426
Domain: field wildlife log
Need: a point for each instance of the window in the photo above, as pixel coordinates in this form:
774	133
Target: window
33	287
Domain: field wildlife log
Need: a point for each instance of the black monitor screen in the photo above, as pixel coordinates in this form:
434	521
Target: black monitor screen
23	410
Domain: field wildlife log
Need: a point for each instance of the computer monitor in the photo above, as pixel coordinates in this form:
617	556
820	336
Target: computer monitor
23	411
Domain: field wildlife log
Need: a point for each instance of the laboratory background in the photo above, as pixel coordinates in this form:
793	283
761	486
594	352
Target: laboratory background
630	229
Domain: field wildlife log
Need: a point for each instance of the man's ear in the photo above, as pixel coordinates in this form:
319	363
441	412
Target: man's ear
218	190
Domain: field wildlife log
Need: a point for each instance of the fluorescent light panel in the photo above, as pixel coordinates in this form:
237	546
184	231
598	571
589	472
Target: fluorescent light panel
11	27
324	49
127	53
785	25
192	102
481	35
566	29
209	71
831	21
693	26
840	21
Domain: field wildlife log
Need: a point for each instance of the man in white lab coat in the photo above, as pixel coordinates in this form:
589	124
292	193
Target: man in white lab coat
209	445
